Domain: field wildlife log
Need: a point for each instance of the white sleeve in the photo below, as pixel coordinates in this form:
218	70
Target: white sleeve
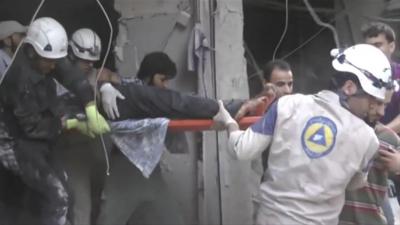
248	144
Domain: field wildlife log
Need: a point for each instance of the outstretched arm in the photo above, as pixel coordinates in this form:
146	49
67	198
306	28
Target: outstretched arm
150	102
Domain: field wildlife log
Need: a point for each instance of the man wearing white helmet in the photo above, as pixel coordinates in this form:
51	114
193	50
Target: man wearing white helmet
33	114
319	145
85	45
82	157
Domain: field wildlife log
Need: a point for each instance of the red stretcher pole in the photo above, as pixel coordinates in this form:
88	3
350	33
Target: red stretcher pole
206	124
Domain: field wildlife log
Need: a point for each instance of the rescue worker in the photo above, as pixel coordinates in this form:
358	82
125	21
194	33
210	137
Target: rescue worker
310	165
33	116
82	157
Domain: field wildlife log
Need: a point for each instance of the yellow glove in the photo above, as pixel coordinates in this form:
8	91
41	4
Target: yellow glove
81	126
97	123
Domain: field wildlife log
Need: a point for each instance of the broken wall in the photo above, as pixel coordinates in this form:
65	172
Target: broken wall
239	185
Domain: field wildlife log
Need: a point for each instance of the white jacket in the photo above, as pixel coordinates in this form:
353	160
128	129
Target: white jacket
317	149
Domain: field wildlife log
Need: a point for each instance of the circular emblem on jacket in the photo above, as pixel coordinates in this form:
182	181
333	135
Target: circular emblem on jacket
318	136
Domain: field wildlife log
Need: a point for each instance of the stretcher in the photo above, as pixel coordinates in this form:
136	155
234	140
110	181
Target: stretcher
207	124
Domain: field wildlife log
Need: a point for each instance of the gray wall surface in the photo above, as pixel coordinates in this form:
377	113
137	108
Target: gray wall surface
235	176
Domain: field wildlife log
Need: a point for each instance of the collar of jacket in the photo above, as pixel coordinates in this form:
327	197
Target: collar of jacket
329	96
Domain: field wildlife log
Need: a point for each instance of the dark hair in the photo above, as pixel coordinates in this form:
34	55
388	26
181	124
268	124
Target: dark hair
374	29
156	62
338	79
274	64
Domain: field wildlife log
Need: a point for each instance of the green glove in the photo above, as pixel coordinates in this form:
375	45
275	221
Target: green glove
97	123
81	126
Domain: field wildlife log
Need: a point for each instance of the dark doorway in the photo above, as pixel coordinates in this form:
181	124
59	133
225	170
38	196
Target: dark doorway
264	23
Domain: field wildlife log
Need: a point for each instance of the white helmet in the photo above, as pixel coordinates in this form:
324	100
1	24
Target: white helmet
48	38
86	44
369	64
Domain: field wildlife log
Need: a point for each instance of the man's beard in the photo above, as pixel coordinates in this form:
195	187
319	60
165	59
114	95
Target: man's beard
369	122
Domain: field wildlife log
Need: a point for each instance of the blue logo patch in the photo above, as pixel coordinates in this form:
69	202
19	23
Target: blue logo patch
318	136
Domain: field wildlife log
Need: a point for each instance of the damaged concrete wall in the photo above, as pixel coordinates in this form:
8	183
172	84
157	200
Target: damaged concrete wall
231	82
147	26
